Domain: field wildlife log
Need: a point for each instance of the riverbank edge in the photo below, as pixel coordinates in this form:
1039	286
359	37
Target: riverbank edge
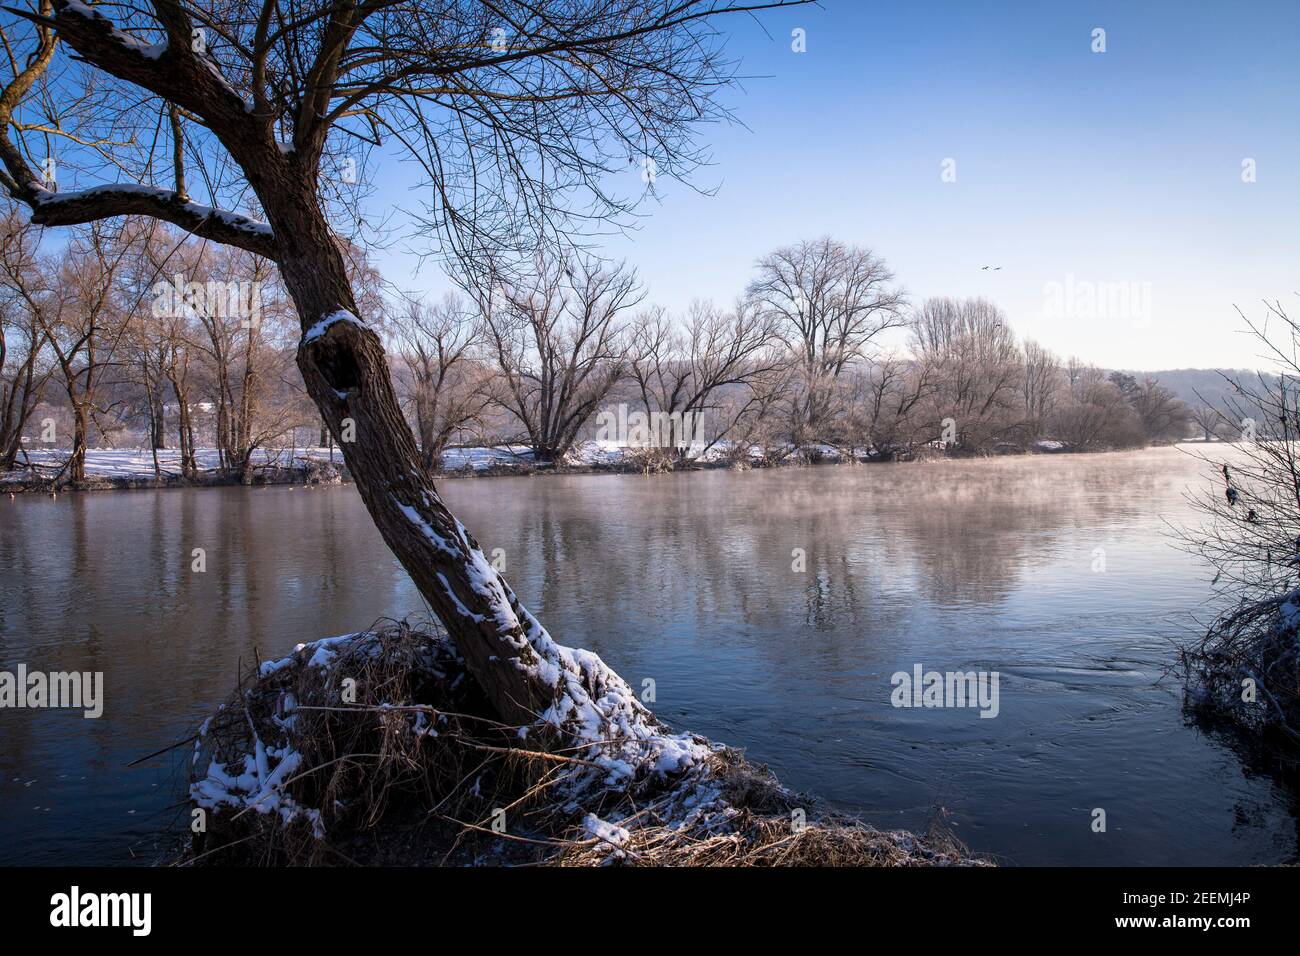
311	473
316	472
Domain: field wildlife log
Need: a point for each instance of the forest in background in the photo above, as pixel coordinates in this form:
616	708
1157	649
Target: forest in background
132	335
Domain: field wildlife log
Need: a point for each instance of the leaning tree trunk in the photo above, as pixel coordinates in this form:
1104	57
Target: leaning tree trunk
345	371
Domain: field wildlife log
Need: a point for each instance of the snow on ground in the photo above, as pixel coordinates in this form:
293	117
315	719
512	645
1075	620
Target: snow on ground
582	453
138	462
480	459
612	837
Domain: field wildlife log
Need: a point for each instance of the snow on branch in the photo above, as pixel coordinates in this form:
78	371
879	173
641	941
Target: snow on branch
170	70
134	199
150	51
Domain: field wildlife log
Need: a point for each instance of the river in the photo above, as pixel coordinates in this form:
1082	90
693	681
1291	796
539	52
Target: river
770	610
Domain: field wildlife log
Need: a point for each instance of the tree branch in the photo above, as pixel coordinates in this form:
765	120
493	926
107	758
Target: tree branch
170	69
128	199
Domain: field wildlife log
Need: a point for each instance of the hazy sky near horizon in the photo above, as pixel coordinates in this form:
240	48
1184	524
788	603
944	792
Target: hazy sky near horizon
1072	167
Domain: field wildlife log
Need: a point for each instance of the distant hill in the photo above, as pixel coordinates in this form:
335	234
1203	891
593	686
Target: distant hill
1207	386
1213	388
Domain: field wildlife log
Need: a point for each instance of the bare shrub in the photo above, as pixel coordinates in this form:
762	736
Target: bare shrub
1246	667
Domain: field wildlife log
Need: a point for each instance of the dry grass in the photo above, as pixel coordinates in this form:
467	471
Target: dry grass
761	830
403	763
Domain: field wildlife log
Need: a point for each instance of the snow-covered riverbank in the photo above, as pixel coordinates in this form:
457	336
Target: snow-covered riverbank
108	468
139	462
124	468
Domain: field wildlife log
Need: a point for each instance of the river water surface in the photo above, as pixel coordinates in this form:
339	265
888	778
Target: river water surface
1055	571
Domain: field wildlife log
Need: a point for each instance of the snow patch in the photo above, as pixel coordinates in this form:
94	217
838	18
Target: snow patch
1288	616
612	836
257	787
323	653
321	327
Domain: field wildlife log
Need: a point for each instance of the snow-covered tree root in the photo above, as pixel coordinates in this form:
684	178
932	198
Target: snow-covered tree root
378	747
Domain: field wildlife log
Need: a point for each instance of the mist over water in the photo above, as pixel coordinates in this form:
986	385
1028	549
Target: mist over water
685	580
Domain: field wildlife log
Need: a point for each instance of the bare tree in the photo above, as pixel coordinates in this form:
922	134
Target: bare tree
510	138
145	357
172	332
1081	376
1165	417
977	368
560	345
1209	420
890	405
1040	386
682	370
755	416
84	321
450	388
1098	419
23	374
1247	668
831	302
242	328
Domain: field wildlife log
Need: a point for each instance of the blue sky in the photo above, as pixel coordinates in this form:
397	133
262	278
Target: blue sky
1115	167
